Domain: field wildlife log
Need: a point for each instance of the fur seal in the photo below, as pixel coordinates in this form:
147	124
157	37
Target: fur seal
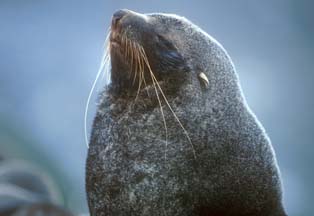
173	134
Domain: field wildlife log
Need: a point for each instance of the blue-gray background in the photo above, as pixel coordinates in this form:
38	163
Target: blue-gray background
50	51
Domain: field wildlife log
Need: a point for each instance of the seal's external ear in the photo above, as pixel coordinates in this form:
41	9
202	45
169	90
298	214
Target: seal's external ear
203	79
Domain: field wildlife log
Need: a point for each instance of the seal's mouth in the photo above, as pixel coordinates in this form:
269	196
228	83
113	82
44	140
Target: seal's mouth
115	39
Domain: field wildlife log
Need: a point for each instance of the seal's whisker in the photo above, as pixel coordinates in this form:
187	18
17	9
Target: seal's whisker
139	64
136	61
132	54
105	61
123	43
135	50
128	50
143	66
106	57
101	70
165	99
140	73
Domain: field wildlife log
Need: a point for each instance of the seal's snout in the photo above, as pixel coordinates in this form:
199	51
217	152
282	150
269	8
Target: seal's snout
126	24
117	16
116	26
124	18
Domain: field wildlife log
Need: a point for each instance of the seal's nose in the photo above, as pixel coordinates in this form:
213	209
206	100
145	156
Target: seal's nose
117	16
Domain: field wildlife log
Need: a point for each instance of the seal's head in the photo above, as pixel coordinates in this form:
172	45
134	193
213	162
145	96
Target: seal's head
148	48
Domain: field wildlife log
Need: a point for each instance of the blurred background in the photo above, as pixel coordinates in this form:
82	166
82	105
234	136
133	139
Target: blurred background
50	51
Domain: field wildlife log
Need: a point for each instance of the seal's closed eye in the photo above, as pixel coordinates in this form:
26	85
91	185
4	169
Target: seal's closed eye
168	55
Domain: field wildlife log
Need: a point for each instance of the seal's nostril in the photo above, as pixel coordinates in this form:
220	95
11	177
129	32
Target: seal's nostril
118	16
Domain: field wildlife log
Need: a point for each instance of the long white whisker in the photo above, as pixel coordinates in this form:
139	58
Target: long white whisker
105	60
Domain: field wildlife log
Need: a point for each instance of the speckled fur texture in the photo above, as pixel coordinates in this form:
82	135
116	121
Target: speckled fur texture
133	169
